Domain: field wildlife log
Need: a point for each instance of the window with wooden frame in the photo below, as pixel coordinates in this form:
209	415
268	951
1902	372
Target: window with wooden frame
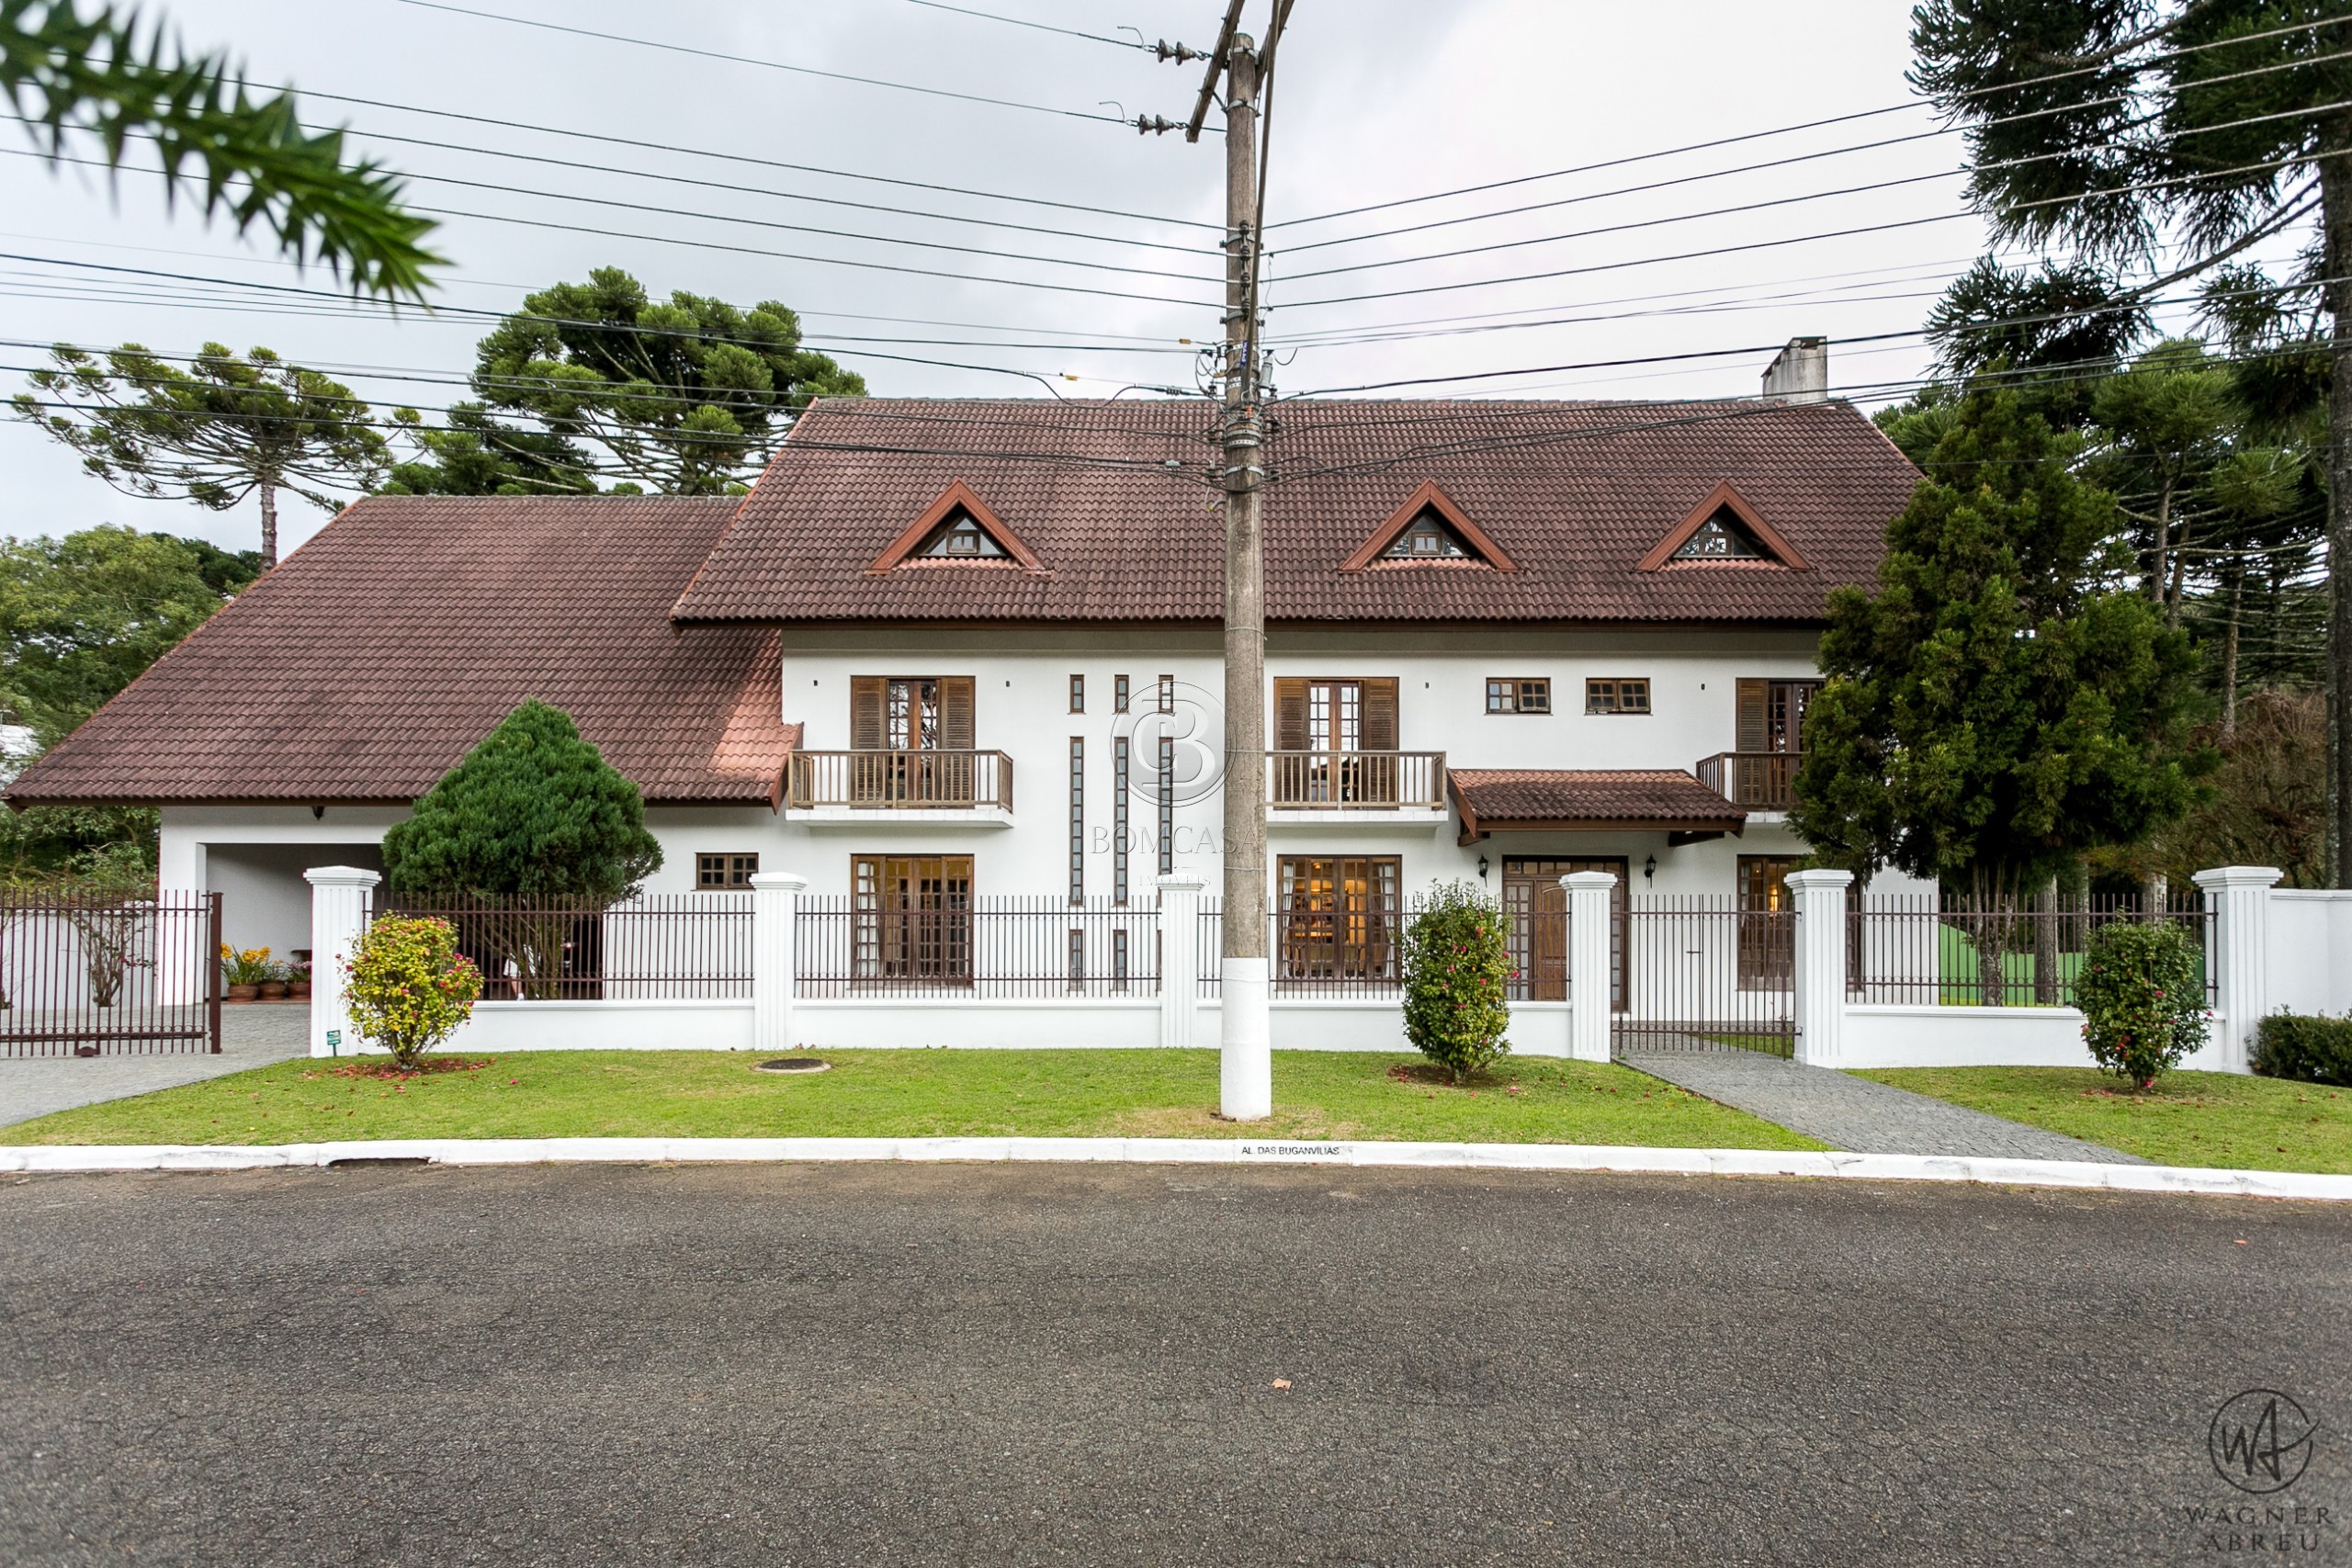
724	873
959	536
1617	694
1122	690
1077	820
1766	922
911	918
1428	537
1337	917
1122	779
1167	806
911	739
1723	536
1770	715
1519	695
1078	694
1167	693
1335	742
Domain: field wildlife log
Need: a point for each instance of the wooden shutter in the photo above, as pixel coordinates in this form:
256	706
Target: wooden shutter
1290	713
869	713
1380	715
1754	725
956	713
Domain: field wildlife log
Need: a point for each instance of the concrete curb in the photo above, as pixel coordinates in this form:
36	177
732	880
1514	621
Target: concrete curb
60	1158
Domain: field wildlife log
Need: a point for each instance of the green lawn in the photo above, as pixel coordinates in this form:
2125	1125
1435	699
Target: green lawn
551	1094
2223	1119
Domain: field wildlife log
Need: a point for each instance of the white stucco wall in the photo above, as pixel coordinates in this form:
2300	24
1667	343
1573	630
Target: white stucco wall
2309	965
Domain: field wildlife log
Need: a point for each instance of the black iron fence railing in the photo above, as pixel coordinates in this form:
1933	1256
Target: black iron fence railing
84	975
1926	950
655	947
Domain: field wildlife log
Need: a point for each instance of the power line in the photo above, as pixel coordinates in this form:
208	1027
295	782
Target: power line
750	159
767	191
611	233
1799	239
1789	130
1775	201
1807	158
764	64
1038	26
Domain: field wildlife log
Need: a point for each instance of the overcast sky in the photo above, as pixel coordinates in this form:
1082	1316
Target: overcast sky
1377	101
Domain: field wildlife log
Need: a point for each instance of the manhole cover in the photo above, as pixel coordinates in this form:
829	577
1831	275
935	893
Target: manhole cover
794	1065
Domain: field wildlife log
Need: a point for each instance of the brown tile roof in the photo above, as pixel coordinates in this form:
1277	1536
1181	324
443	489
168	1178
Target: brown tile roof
1499	799
368	662
1576	492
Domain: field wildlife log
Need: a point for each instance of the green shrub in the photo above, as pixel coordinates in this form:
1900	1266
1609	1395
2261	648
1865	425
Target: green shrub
2306	1049
409	987
2141	989
1457	973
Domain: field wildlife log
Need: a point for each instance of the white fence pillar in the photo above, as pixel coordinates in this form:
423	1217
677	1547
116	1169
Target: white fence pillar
1180	960
2239	900
340	896
1590	895
775	908
1820	965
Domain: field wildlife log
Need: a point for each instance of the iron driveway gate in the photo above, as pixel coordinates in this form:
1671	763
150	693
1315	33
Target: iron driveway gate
1702	974
85	976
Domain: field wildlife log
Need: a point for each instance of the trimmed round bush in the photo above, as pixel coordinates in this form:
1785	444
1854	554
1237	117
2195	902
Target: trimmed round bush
2304	1048
409	987
2141	989
1457	977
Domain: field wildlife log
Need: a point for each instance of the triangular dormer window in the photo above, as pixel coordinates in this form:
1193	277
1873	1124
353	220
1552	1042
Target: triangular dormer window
958	526
1723	528
1428	528
1722	537
1427	538
960	537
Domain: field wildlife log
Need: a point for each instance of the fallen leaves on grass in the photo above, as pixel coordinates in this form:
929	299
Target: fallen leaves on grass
425	1068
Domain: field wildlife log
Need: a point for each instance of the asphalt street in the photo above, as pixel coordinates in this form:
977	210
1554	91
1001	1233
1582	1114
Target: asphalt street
1073	1365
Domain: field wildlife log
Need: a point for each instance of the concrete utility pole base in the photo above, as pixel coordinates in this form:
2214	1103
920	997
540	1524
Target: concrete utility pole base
1246	1064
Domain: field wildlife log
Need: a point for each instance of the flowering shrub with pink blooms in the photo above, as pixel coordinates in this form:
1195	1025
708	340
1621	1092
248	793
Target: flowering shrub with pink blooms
2141	989
409	988
1457	979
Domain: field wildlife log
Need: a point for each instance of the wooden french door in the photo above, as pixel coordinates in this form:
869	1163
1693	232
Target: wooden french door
1340	737
913	918
1337	917
1772	715
1536	906
912	738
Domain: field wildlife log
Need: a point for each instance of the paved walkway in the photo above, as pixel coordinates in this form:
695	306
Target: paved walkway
1860	1114
252	1035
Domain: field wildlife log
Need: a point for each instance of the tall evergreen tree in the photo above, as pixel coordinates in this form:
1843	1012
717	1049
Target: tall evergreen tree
224	428
2001	704
687	396
2118	127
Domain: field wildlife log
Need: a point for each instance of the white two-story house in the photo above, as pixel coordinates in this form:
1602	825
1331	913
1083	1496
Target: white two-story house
947	652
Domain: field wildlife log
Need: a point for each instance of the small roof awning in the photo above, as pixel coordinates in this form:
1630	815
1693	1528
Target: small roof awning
1547	800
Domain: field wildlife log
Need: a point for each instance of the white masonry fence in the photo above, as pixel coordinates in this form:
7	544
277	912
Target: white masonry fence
1872	982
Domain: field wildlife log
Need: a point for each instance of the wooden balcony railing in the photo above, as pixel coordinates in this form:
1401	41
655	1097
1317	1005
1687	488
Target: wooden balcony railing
1355	780
901	781
1760	780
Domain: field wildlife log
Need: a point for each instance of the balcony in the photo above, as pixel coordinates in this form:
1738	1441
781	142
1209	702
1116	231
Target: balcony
1757	781
1355	786
942	788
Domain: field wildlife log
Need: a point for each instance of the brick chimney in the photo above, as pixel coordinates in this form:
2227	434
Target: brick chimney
1800	373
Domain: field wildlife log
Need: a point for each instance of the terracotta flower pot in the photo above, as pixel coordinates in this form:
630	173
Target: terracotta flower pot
273	991
243	993
297	990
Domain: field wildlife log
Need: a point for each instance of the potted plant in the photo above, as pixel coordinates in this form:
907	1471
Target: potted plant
273	985
297	980
243	970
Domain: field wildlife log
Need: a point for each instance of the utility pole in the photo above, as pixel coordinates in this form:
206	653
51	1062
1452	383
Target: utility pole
1246	1083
